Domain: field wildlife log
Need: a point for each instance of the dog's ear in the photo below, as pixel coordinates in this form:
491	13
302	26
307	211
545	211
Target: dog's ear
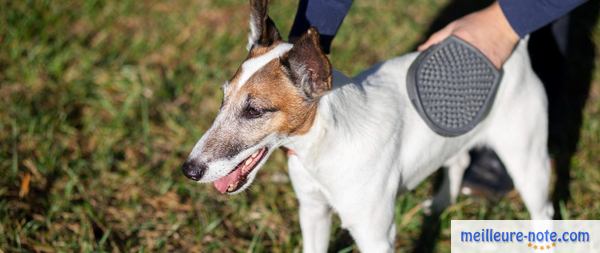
309	67
262	29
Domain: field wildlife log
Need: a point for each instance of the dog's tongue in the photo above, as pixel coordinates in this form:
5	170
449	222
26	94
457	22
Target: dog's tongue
223	183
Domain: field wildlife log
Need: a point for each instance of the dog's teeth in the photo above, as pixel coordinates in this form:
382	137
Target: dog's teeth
255	155
248	161
230	187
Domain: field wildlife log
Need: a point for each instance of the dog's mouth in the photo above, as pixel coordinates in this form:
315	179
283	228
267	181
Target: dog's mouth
238	176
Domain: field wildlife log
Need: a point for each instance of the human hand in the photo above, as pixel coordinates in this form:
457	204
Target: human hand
487	29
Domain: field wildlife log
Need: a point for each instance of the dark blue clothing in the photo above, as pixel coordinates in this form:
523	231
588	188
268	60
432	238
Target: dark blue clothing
525	16
325	15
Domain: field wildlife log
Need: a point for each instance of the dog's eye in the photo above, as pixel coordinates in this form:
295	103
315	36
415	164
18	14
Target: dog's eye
252	112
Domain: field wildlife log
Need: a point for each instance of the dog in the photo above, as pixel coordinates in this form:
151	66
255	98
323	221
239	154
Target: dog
354	144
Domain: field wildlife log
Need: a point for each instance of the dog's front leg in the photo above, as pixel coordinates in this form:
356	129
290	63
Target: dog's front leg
371	224
315	213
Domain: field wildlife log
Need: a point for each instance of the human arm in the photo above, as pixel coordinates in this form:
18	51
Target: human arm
325	15
526	16
496	29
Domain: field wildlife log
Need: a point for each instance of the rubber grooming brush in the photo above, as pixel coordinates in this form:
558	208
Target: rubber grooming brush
452	85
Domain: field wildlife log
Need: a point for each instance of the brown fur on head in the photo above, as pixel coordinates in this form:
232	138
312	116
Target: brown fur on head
273	95
289	85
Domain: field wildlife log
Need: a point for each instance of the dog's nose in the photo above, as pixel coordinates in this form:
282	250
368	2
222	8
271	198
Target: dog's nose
193	170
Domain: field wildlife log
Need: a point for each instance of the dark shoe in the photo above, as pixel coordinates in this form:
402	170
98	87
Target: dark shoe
486	176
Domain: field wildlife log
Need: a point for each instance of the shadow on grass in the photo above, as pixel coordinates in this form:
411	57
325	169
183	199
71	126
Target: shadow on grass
342	242
566	68
430	232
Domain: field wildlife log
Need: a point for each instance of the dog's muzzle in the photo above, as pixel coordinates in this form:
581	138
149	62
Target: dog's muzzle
193	170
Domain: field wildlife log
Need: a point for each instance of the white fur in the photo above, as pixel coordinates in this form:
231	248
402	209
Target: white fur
253	65
254	32
368	143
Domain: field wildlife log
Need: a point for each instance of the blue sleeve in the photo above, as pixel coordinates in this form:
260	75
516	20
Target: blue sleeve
526	16
325	15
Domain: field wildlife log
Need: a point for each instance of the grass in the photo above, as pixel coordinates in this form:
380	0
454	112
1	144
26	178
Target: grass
102	101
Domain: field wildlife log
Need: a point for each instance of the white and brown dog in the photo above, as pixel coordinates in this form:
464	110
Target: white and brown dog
358	142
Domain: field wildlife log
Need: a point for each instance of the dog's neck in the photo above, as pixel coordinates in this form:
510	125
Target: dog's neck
353	115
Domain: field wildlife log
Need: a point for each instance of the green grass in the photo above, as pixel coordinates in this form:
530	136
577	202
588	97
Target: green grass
101	101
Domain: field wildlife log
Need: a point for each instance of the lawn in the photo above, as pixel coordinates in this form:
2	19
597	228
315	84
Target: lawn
101	101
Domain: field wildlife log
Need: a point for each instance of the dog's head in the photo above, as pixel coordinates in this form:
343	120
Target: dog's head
273	95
